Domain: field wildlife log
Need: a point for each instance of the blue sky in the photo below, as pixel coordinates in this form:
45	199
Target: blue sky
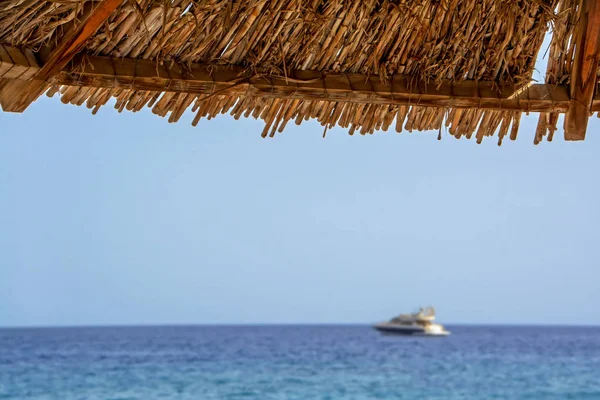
126	219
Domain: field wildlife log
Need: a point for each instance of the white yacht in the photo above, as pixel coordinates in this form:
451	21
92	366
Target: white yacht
420	323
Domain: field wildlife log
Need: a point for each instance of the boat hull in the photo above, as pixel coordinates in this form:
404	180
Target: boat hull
408	331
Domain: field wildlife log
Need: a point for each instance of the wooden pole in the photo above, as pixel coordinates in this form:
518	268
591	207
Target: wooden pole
584	75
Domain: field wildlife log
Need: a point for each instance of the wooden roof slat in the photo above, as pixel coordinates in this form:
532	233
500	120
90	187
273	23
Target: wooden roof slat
17	95
6	64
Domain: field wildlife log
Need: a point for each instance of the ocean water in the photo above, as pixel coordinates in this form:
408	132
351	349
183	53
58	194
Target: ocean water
298	362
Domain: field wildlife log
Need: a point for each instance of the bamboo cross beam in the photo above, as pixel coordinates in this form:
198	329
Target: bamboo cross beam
585	70
146	75
17	94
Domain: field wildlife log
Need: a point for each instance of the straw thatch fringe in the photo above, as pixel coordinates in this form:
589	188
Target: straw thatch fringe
560	61
427	39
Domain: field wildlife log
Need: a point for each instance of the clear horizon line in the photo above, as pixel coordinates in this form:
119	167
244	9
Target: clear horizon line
275	324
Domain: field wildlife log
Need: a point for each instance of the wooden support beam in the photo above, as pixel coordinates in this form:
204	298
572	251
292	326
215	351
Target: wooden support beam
17	64
132	74
585	70
18	93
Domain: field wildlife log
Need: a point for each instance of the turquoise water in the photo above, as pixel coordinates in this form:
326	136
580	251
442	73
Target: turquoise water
298	362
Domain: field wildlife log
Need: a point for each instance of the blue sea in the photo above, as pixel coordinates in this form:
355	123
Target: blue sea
298	362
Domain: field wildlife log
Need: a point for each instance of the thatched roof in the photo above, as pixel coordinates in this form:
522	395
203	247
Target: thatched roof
363	65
